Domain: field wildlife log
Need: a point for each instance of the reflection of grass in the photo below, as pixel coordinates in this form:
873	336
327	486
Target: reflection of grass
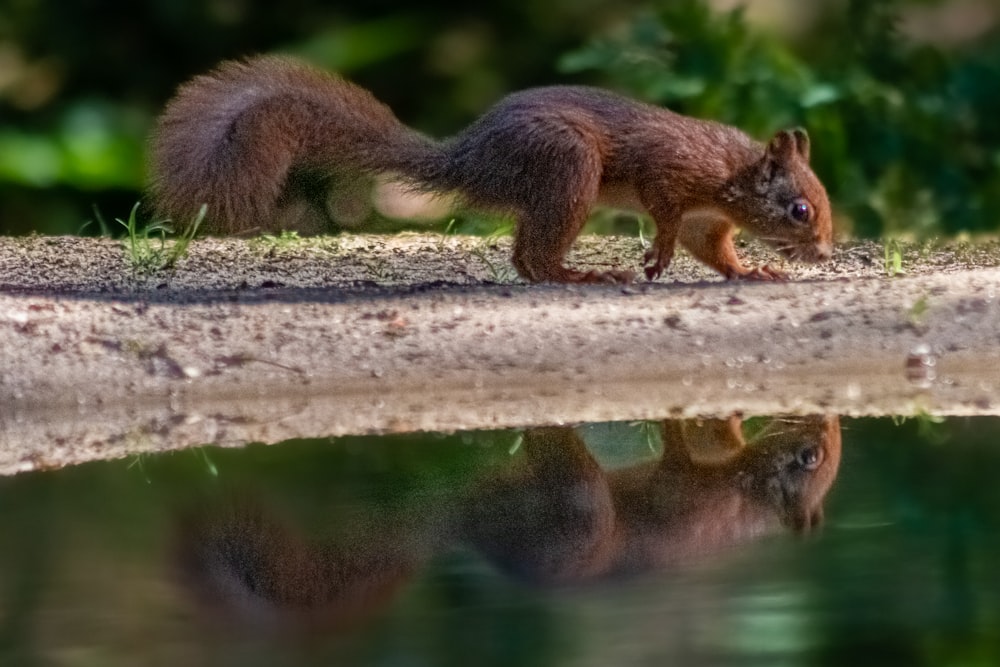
651	434
139	459
210	466
917	310
138	462
930	427
147	245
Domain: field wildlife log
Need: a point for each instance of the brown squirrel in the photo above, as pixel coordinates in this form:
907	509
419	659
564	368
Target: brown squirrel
555	517
261	141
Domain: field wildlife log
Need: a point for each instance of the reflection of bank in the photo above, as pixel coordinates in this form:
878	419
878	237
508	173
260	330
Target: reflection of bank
554	516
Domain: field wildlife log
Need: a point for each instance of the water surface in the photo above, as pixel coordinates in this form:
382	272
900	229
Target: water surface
763	542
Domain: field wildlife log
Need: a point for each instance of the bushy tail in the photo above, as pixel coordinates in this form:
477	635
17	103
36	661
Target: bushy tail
250	136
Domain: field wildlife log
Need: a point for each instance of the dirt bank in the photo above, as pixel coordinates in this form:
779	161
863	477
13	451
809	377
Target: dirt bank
267	339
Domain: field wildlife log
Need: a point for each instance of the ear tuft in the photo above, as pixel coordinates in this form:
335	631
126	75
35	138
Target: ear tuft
805	521
787	142
801	142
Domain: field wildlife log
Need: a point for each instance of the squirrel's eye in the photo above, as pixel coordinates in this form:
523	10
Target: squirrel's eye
799	210
809	458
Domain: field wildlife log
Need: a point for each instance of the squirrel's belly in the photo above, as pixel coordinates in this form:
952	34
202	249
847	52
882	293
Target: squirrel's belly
621	196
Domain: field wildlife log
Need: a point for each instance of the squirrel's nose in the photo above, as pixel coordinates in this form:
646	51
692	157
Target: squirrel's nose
824	251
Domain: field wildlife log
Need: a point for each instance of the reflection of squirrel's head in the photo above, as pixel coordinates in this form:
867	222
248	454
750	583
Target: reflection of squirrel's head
792	466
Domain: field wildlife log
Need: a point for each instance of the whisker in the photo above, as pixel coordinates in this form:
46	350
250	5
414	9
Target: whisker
767	432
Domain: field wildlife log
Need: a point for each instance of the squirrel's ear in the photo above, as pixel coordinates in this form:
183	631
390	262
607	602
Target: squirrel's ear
805	520
801	142
787	142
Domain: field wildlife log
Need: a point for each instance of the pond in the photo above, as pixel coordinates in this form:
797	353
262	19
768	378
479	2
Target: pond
762	540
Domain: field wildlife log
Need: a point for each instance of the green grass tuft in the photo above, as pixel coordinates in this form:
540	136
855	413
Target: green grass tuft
147	245
893	258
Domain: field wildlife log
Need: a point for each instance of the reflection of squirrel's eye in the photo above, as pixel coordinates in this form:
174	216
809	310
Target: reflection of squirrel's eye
799	210
809	457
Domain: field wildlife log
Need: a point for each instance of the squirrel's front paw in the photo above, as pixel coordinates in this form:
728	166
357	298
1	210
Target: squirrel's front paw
610	277
660	261
766	272
619	277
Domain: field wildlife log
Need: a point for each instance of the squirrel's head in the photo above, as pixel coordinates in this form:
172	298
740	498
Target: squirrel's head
790	209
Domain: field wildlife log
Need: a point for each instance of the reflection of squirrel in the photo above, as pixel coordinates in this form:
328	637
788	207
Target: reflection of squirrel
564	520
559	518
260	141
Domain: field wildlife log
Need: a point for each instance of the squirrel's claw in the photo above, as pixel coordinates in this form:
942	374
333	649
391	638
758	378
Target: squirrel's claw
660	260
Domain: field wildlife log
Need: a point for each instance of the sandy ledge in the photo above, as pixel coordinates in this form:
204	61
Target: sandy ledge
264	340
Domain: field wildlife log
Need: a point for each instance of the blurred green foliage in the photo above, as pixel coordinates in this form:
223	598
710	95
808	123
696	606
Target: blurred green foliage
903	131
904	134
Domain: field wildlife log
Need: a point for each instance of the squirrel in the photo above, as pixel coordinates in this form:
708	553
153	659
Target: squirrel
261	141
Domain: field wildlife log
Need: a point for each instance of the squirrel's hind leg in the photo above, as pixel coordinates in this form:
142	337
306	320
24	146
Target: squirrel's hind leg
545	233
541	246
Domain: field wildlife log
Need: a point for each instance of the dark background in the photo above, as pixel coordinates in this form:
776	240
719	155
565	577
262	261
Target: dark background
900	96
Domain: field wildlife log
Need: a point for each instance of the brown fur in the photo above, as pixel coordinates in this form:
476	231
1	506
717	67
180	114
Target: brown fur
563	519
261	142
557	518
246	566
